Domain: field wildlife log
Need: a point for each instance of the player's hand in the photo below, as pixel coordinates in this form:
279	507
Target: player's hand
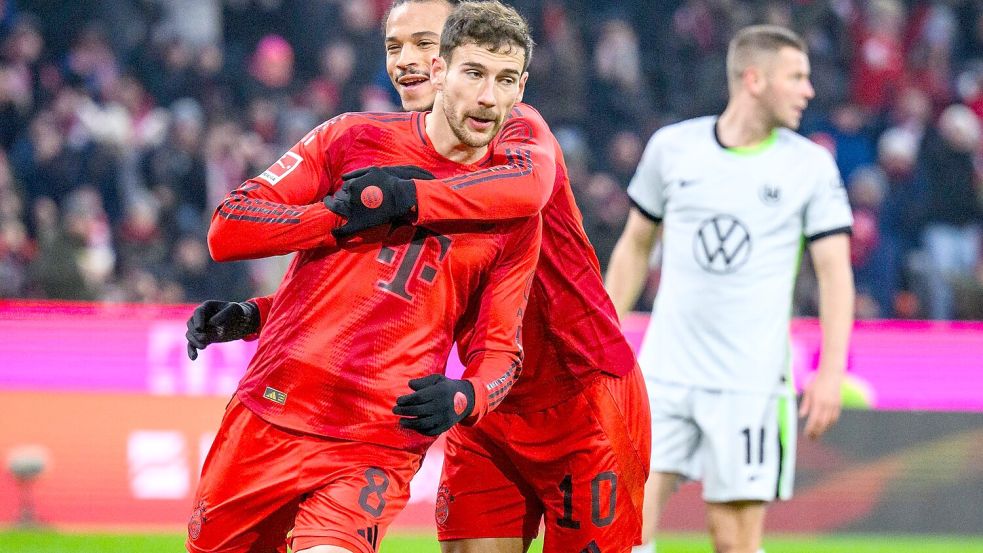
375	196
220	321
437	404
821	402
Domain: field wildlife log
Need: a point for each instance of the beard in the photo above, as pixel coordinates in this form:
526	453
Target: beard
465	135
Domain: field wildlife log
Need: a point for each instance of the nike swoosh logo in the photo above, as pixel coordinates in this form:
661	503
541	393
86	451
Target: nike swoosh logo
685	183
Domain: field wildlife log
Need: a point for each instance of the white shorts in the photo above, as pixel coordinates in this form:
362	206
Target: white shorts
740	445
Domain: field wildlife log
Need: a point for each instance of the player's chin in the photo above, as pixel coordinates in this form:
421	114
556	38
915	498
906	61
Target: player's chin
477	140
416	100
793	121
482	139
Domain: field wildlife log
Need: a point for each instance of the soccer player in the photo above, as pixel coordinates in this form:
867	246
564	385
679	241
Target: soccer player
738	196
569	446
360	330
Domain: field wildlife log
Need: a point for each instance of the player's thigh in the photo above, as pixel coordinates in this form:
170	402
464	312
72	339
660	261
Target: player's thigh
747	448
363	487
658	489
247	496
593	468
736	526
482	494
486	545
675	435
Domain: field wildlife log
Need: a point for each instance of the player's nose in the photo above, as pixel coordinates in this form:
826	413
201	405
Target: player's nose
486	95
810	92
407	59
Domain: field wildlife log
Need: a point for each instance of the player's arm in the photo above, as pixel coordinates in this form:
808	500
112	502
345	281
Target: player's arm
489	343
281	210
629	263
516	186
827	222
821	400
492	353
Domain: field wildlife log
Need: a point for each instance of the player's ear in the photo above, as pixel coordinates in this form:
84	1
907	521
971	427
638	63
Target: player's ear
438	72
754	79
522	86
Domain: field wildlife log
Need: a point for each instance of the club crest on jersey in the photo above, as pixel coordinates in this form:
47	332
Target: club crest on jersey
274	395
770	194
722	244
196	520
283	166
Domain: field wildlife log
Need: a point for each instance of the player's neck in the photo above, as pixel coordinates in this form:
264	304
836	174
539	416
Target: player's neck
446	143
741	126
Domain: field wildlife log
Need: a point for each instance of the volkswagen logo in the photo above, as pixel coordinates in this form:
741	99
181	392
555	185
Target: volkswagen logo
722	244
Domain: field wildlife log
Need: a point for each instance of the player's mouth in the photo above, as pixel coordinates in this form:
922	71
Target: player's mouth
412	82
480	124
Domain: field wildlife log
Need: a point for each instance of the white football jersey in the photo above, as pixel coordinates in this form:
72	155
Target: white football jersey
735	224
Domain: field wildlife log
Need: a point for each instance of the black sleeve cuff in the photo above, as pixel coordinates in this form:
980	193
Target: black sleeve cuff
842	230
643	211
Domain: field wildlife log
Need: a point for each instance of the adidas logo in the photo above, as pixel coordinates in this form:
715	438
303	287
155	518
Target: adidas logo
371	535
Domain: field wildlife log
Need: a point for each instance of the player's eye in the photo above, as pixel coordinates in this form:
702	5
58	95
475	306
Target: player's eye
426	44
473	73
392	48
507	81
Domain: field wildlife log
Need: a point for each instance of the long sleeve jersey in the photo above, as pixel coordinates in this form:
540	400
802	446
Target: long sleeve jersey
571	330
353	322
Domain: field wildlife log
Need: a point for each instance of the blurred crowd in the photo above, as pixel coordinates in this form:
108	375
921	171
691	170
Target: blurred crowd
123	124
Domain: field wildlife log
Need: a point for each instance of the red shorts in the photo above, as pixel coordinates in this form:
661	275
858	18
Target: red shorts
581	464
260	481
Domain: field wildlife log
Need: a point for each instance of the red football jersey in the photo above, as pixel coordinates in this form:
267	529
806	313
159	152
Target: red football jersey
353	322
571	331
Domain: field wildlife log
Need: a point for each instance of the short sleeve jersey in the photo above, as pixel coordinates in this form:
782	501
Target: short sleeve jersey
735	223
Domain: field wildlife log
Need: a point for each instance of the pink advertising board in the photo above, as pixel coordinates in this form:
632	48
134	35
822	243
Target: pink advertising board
44	346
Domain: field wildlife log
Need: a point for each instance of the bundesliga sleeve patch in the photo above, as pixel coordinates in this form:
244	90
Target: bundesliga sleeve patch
283	166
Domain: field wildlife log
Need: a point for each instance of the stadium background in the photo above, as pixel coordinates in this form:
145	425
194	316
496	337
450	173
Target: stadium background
123	123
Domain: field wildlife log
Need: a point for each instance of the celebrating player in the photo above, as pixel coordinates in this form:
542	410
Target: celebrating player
736	195
310	441
570	443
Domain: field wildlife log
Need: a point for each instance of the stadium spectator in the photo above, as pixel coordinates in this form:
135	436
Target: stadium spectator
953	217
867	188
619	97
879	63
899	220
75	264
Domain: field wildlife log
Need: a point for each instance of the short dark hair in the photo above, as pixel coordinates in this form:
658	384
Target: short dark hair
401	2
488	23
397	3
756	39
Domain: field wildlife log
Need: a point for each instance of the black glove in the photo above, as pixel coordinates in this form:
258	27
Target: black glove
220	321
437	404
375	196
